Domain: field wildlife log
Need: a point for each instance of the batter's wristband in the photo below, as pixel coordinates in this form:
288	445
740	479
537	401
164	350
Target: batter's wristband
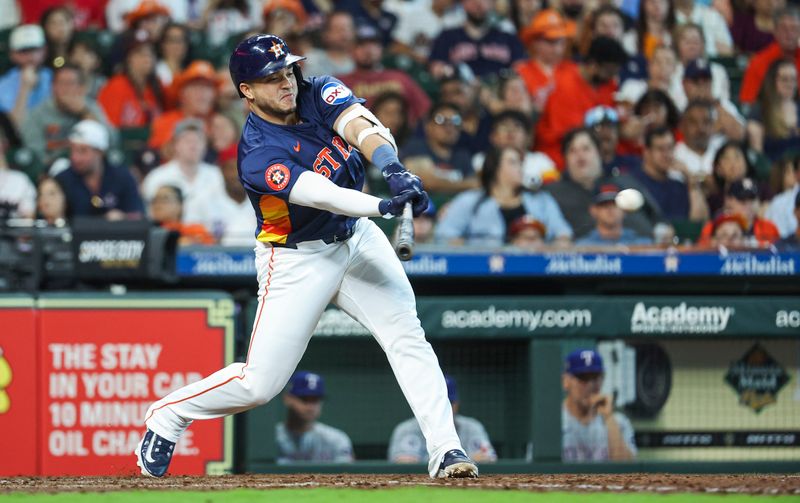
384	156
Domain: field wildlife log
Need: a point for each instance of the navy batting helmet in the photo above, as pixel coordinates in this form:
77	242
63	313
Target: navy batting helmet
259	56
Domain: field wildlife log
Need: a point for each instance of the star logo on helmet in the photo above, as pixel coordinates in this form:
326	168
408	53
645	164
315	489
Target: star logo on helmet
277	49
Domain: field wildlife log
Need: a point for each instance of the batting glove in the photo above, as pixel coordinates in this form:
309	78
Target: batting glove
420	203
400	180
394	207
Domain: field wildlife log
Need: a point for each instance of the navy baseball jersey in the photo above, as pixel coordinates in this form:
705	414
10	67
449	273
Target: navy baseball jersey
273	156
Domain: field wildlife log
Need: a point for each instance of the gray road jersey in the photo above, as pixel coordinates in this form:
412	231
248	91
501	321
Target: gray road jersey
407	439
321	444
589	442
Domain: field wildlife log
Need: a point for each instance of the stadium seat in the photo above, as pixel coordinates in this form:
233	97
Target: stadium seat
687	230
5	61
25	160
132	141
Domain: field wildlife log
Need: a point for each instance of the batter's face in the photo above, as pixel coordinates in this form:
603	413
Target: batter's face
274	97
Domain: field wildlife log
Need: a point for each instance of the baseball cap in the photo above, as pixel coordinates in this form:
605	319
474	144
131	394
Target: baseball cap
197	70
548	24
606	50
605	192
90	132
145	9
736	218
583	361
293	6
526	222
452	389
26	36
305	383
743	190
366	32
697	69
188	125
599	115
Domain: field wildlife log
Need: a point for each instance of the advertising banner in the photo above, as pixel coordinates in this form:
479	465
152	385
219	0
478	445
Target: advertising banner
104	360
606	316
18	386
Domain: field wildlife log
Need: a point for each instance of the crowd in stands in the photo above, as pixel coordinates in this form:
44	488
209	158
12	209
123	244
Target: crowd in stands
523	118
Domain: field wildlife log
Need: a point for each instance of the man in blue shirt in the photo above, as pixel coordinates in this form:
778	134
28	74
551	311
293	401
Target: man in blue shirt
28	83
479	45
608	217
92	186
671	195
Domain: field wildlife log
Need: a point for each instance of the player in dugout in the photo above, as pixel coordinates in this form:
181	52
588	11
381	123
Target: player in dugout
301	438
302	157
591	430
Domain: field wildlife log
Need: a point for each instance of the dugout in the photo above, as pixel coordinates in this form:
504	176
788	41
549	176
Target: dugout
710	383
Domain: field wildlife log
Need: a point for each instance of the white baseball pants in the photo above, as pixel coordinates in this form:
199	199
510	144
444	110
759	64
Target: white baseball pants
364	278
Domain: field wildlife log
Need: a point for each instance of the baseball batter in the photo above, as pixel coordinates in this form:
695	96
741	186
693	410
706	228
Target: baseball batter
300	161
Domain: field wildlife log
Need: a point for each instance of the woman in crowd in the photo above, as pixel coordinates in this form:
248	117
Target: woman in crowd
51	202
775	120
484	216
752	27
58	24
173	53
166	209
653	28
730	164
83	53
134	97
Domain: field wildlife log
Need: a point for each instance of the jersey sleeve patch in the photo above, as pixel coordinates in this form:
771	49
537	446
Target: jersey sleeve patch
335	93
277	177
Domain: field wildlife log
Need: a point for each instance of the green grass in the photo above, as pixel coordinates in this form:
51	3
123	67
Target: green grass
414	494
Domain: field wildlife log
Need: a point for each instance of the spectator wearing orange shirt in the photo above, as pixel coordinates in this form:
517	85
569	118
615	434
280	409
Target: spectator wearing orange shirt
134	97
742	199
196	88
546	40
785	46
577	90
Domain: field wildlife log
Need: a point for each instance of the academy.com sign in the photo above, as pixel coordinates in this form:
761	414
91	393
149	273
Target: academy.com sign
680	319
492	317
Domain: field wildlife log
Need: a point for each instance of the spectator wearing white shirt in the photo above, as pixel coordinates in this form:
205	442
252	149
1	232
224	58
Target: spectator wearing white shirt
17	193
420	22
715	30
700	144
697	86
690	46
240	221
202	184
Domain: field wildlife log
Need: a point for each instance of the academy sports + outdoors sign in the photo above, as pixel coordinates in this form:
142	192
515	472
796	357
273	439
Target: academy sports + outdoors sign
592	317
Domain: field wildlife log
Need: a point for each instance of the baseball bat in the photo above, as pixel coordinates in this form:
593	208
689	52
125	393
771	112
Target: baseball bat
404	234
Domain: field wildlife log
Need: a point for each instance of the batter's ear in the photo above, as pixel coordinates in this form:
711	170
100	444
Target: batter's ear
244	88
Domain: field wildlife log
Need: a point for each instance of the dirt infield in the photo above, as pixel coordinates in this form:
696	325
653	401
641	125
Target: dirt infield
655	483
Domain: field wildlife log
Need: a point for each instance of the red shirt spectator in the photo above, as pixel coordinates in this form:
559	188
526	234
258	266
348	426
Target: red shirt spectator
787	33
369	79
88	13
133	97
545	37
577	90
196	88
